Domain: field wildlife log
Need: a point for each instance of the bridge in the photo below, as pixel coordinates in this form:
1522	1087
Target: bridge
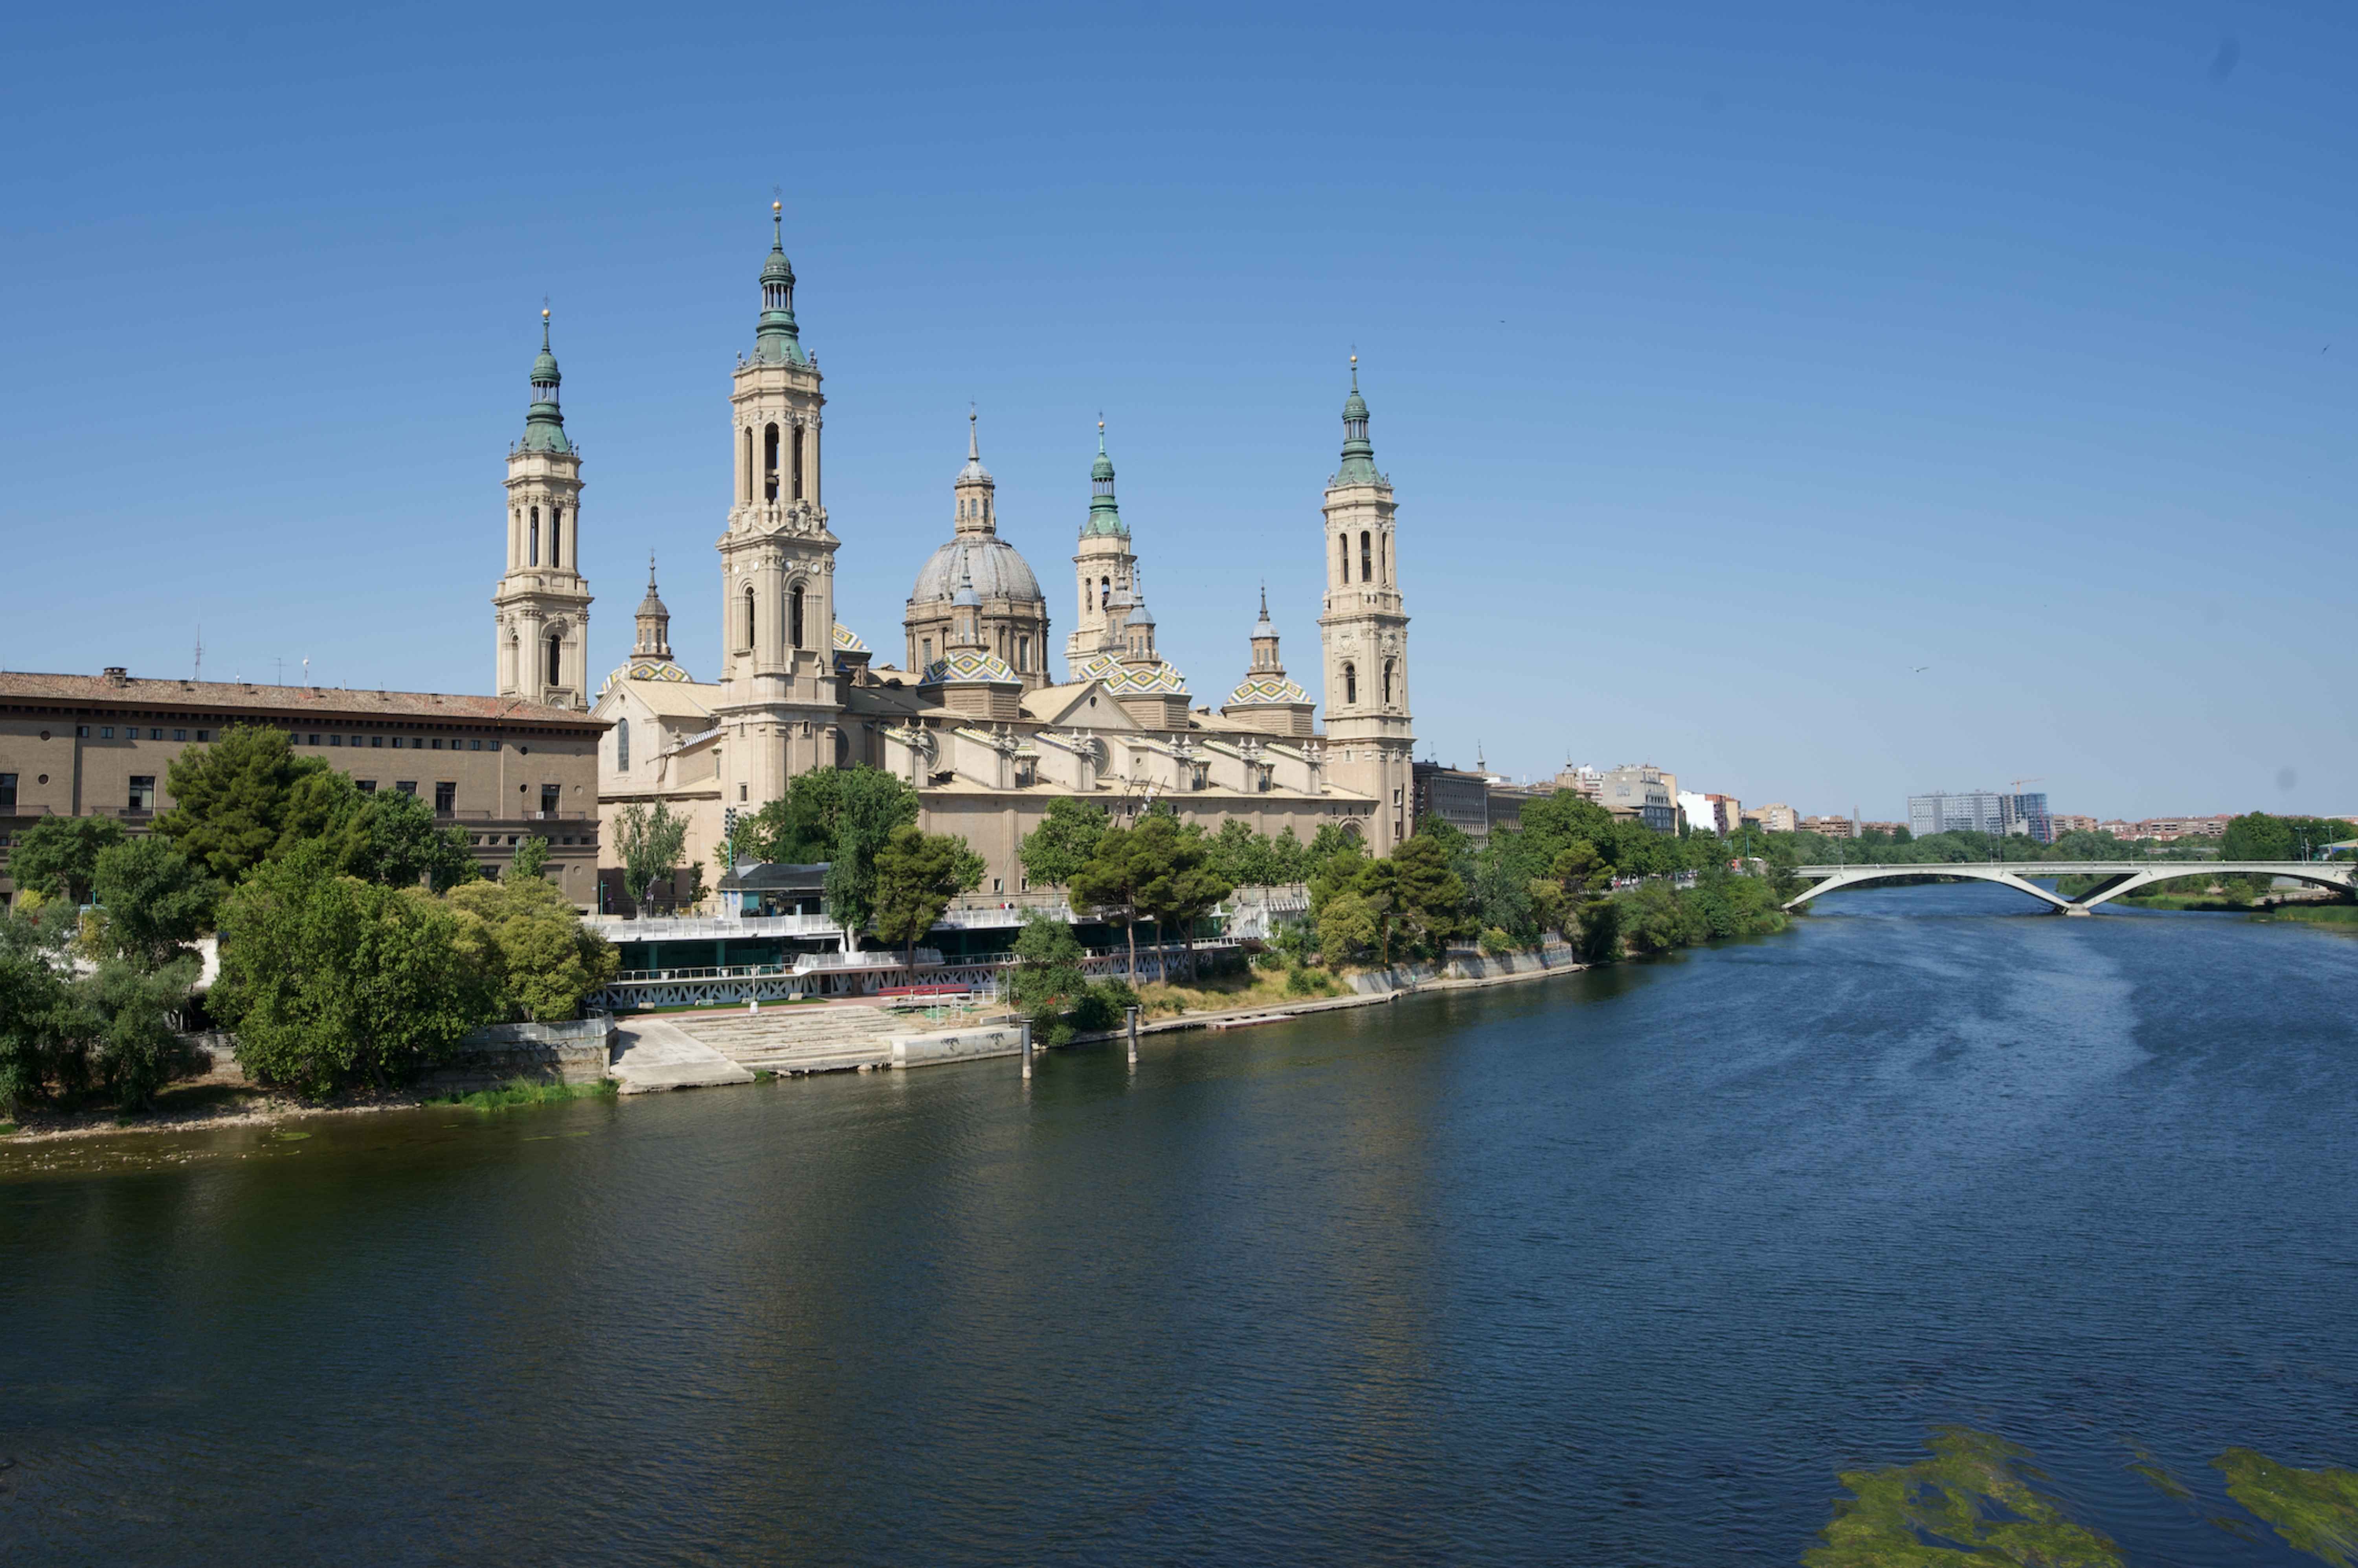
2118	876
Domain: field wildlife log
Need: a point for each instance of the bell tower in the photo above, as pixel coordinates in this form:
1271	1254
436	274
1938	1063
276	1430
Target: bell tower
780	703
1364	633
1104	566
540	611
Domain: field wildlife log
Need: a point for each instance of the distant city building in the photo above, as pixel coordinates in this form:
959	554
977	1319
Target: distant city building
1973	811
1456	797
1889	829
2027	814
1583	781
1640	794
1506	804
2072	824
1720	814
1776	817
2162	829
1832	826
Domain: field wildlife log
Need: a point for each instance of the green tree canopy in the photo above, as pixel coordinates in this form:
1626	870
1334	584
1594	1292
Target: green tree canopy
917	874
1053	853
157	901
1430	898
1182	885
1047	977
1111	880
531	858
331	981
37	1012
538	961
58	855
390	838
649	845
231	799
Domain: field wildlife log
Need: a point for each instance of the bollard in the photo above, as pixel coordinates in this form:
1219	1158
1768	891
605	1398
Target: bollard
1133	1036
1026	1027
753	1004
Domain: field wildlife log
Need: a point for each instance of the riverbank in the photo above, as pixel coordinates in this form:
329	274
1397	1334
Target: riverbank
223	1101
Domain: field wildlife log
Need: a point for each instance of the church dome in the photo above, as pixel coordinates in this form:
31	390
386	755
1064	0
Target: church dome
999	569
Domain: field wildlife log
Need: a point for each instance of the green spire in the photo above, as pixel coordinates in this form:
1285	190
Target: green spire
1359	455
777	341
544	423
1105	517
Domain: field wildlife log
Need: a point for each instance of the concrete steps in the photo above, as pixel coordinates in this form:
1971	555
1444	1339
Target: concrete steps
651	1055
801	1039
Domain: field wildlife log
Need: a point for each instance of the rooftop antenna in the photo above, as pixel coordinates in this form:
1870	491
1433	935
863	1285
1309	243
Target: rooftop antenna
277	671
307	669
200	673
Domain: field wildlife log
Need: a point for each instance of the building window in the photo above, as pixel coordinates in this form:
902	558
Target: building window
926	653
748	643
622	745
799	462
374	741
314	739
153	734
1350	683
491	745
748	485
533	558
1366	559
550	794
7	792
557	535
396	743
556	654
1343	555
437	742
740	792
143	792
1384	552
366	786
179	734
1388	680
406	786
82	730
446	797
106	732
334	740
770	462
1023	654
795	615
474	745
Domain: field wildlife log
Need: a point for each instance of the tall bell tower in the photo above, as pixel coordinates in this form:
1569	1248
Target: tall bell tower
780	709
1364	633
540	611
1104	566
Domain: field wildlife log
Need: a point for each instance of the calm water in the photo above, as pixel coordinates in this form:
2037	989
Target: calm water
1615	1268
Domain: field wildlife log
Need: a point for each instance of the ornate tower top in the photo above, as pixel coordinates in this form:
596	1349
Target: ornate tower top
977	510
1105	514
544	423
654	621
1264	641
1358	455
777	341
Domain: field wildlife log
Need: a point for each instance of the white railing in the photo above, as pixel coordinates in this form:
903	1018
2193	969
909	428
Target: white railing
818	963
665	928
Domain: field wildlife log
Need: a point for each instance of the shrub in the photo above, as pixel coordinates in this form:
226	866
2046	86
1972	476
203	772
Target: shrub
1495	943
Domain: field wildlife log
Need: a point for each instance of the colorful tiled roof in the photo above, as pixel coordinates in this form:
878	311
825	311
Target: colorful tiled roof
1262	689
969	664
1130	680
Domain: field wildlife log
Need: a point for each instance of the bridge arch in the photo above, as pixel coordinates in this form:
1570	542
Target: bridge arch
2115	877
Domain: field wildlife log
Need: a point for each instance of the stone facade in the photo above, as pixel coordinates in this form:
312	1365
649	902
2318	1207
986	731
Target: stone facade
541	609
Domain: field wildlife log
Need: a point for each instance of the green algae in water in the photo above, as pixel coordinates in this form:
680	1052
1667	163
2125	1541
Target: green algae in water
2157	1476
1971	1502
2316	1511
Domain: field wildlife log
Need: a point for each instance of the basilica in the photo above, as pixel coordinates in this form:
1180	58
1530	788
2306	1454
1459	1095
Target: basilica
973	715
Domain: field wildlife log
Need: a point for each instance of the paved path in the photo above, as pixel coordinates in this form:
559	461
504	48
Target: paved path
650	1055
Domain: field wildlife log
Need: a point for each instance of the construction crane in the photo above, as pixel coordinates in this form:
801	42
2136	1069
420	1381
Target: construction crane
2014	786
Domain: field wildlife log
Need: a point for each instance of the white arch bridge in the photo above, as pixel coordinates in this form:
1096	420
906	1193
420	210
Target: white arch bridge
2118	876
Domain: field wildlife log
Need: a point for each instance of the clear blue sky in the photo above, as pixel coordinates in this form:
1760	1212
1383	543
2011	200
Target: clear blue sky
1731	361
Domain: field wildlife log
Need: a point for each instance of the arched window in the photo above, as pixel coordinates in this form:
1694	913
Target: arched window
770	463
794	614
532	557
799	462
1350	683
747	484
622	745
556	659
1388	681
1366	558
1385	547
748	643
557	535
1343	555
1024	656
1105	593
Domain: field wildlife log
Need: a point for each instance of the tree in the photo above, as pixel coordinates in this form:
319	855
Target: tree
649	846
873	804
1348	926
390	837
131	1014
1599	939
229	799
1182	886
1430	898
330	981
157	901
35	1010
917	874
1110	881
58	855
531	857
538	961
801	827
1047	977
1053	853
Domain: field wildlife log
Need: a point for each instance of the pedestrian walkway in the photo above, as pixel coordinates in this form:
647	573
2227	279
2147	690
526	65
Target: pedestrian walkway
801	1039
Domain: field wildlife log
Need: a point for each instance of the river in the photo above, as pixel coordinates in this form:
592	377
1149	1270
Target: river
1620	1268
